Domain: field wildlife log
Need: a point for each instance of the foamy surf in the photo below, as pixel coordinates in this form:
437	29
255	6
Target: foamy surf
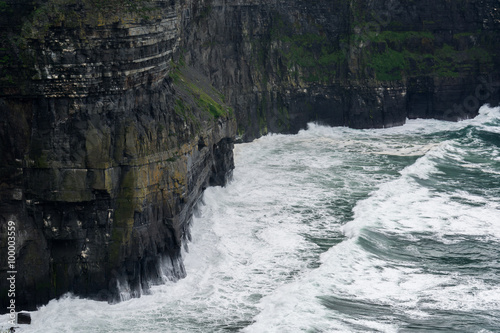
333	230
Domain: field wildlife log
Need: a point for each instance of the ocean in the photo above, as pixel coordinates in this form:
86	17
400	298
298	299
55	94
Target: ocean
333	230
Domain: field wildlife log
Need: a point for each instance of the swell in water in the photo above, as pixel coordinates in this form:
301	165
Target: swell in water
333	229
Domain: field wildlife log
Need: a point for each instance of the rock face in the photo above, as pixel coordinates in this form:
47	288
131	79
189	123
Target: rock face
23	318
115	115
348	63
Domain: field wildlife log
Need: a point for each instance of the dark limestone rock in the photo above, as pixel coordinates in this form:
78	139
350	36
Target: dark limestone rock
23	318
360	64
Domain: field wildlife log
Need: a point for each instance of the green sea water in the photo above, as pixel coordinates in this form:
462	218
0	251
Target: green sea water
333	230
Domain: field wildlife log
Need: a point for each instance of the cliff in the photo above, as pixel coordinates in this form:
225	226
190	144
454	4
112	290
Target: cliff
362	63
107	144
115	115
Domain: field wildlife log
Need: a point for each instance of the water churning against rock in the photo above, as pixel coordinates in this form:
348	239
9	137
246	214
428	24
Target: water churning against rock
334	230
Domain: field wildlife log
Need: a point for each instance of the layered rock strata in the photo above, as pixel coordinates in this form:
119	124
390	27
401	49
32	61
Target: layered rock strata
107	145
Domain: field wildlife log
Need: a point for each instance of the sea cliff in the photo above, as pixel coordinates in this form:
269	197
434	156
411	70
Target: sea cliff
116	115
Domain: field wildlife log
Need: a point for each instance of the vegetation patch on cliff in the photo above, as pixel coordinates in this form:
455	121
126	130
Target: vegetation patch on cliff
312	55
396	55
204	97
4	7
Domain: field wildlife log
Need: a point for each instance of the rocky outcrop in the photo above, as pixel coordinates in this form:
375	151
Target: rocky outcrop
107	144
116	114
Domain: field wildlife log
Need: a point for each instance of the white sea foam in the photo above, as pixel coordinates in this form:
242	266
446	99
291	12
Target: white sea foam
400	206
255	262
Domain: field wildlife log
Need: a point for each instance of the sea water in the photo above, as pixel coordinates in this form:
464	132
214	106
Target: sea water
333	230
